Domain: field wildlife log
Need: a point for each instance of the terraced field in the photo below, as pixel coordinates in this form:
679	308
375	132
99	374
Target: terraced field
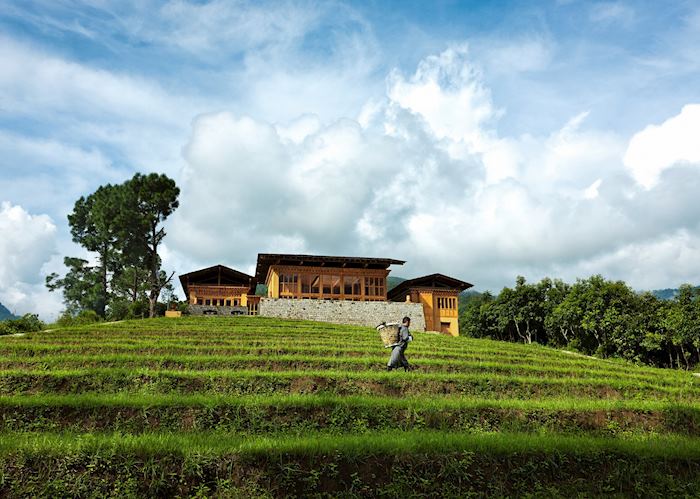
242	407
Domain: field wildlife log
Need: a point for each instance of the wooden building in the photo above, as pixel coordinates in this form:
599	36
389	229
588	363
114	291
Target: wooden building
439	295
324	277
219	286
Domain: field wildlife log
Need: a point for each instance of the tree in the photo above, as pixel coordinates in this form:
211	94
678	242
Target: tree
82	286
683	321
149	201
476	316
92	225
523	309
123	225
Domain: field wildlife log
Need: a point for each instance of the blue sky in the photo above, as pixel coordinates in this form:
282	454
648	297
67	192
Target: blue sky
478	139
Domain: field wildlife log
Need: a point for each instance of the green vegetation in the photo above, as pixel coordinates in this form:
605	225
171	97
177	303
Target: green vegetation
594	316
123	226
25	324
249	407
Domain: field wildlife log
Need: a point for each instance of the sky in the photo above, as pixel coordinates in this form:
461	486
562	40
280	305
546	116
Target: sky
482	140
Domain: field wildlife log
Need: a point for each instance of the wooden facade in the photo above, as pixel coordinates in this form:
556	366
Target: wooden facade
439	295
220	286
324	277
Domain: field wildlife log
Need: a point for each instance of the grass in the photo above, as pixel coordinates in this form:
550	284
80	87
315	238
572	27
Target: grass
249	406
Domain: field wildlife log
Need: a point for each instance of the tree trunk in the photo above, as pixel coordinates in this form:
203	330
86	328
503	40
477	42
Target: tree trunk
155	289
517	329
685	358
103	303
528	333
562	330
135	291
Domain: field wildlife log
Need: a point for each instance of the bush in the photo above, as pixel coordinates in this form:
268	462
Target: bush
84	317
26	324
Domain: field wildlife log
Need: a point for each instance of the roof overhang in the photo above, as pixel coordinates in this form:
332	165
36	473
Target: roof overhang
428	281
266	260
217	275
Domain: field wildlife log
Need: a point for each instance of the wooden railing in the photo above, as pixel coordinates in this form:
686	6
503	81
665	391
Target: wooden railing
218	291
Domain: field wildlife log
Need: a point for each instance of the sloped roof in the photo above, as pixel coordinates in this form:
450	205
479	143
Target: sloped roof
427	281
265	260
216	275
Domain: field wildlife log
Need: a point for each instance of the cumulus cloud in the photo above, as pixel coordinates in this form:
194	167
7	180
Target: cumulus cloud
423	175
27	244
660	147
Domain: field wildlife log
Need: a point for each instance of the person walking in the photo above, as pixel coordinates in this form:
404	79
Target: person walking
398	358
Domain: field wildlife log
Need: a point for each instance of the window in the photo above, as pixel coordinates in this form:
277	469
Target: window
374	286
228	303
447	303
352	285
288	284
235	303
331	285
207	302
310	284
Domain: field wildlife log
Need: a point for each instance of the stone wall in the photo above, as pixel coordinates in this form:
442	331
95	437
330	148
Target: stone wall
361	313
216	310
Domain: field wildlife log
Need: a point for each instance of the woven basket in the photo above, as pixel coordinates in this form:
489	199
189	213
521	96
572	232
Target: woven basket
389	333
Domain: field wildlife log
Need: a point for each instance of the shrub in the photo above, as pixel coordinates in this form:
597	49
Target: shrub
84	317
26	324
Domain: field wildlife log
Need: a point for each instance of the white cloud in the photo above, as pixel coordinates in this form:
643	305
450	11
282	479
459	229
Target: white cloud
212	26
78	104
613	12
426	177
659	147
520	55
446	91
27	244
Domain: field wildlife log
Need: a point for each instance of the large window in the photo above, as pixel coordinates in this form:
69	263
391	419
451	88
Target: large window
310	284
374	287
331	285
352	286
288	285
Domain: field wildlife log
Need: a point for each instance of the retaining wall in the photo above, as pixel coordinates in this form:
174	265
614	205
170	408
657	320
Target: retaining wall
216	310
360	313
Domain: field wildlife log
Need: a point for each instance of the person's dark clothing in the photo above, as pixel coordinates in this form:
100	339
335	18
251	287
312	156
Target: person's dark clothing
398	359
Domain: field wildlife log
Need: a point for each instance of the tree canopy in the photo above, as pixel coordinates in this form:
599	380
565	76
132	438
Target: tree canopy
594	315
123	226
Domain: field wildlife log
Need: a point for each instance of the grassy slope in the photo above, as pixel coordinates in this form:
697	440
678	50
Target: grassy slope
251	406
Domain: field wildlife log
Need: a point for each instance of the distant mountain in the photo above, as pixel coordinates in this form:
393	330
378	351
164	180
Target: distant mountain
665	294
668	293
393	281
6	315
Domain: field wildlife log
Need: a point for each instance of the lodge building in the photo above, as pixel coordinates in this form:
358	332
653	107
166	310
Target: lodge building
220	290
330	280
324	277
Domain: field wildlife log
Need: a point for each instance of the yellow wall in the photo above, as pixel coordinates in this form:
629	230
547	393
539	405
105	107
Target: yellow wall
273	283
434	316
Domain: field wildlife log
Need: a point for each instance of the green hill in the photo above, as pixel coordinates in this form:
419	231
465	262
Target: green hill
6	314
248	407
393	281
